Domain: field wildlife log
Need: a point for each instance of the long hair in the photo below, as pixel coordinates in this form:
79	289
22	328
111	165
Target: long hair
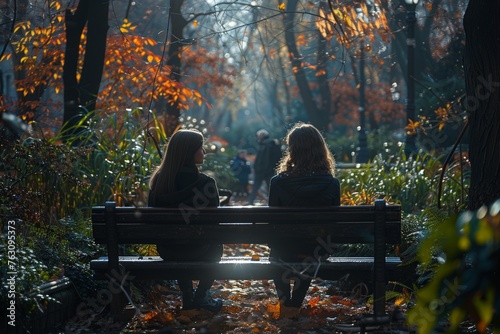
307	151
180	153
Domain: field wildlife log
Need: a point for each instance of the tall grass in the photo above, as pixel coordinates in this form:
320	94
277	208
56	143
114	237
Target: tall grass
413	183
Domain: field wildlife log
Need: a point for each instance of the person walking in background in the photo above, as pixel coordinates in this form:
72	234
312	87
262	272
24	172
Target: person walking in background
241	169
305	178
268	155
177	181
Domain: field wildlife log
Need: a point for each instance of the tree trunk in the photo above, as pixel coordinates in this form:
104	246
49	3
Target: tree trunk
80	97
174	60
325	107
482	75
298	68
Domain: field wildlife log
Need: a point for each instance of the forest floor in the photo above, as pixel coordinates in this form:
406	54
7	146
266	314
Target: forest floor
250	307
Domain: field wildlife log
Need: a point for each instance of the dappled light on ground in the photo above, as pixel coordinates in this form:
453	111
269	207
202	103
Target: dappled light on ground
249	307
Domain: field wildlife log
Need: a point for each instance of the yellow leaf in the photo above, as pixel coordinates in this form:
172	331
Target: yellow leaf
281	7
195	23
365	10
123	30
399	301
5	57
320	73
484	233
150	58
463	243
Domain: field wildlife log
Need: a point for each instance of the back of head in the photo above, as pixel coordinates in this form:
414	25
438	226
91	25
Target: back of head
262	134
307	150
180	152
182	146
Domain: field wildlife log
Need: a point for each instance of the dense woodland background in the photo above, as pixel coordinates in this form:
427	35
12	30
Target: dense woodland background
260	63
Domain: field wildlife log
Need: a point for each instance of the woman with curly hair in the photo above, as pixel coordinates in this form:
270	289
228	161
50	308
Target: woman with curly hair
305	178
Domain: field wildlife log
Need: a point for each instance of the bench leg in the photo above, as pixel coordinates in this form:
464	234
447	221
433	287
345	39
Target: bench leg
114	274
379	277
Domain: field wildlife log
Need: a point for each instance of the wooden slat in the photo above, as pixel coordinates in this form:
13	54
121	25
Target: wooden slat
344	224
242	268
260	214
259	233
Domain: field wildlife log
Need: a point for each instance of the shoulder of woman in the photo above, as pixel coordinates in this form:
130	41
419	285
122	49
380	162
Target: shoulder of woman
335	179
206	178
278	177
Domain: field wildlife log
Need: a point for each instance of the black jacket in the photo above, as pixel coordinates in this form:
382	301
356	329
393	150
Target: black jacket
309	190
267	157
194	189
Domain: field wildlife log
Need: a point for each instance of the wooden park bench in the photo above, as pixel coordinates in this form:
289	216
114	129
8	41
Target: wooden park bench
328	227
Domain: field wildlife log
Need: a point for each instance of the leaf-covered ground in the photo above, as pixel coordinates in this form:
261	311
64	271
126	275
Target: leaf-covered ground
249	307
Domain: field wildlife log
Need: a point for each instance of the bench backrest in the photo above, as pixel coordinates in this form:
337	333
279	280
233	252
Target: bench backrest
234	224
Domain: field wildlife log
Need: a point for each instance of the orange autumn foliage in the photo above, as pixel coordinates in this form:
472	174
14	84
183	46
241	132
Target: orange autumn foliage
134	72
379	105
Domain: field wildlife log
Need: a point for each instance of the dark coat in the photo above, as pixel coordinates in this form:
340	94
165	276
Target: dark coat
309	190
196	190
267	157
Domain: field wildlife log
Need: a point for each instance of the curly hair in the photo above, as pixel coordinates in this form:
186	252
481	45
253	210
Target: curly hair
307	152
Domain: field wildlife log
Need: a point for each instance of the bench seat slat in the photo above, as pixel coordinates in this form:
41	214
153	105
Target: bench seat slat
241	268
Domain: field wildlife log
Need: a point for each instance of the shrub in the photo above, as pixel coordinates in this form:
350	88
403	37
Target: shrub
463	255
30	273
40	182
412	182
